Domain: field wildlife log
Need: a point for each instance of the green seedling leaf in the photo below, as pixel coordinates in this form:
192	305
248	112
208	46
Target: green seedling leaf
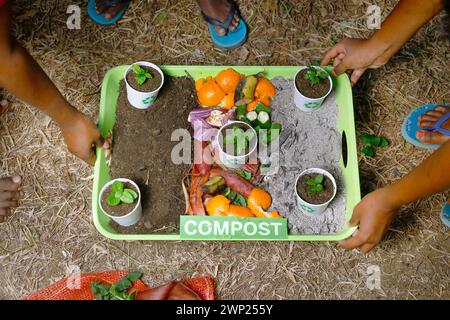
319	178
311	182
127	197
141	74
315	75
368	151
118	186
132	192
136	68
319	188
112	200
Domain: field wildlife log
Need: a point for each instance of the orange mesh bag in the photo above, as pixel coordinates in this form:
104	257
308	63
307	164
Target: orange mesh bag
80	289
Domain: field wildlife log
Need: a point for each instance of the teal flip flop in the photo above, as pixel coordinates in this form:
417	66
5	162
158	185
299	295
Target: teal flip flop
445	215
99	17
410	126
233	38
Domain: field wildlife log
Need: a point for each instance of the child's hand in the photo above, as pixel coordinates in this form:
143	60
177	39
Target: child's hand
373	214
82	136
357	55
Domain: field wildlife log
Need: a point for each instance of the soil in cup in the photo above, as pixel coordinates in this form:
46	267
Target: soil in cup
142	149
303	189
309	90
149	85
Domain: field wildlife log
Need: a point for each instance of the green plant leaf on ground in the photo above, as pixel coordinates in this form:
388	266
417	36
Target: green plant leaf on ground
160	15
374	141
383	143
368	151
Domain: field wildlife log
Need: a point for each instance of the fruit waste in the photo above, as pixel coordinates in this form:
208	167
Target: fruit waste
211	188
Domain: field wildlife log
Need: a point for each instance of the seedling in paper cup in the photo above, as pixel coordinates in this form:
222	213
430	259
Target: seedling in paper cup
312	85
316	184
315	75
120	200
121	194
141	74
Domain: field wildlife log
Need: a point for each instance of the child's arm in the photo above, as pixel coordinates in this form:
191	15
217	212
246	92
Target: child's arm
400	26
376	210
22	76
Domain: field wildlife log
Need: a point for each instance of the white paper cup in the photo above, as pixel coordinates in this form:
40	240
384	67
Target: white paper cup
230	161
310	209
142	100
131	218
308	104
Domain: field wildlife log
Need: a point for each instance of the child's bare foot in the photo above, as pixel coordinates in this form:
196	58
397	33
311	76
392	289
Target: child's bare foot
219	9
110	11
9	195
428	120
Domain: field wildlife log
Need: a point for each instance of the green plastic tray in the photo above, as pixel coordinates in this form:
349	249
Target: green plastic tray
346	126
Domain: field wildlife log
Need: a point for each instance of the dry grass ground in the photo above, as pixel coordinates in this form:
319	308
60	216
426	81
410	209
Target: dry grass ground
53	229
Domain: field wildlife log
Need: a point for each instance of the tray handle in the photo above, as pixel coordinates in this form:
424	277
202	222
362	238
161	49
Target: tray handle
344	148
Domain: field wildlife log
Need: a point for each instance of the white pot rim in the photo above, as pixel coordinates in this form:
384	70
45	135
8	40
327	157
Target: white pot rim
121	180
320	171
230	123
145	64
314	99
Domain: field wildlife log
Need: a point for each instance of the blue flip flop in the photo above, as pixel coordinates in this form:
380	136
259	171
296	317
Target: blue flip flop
445	215
233	38
99	17
410	126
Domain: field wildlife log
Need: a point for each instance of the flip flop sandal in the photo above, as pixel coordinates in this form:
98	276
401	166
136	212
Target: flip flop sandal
445	215
233	38
99	17
410	126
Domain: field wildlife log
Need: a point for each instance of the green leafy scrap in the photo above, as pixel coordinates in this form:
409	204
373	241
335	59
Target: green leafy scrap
118	290
371	142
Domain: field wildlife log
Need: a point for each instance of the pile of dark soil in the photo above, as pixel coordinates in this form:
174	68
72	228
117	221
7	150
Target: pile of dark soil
313	91
150	85
142	152
303	189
